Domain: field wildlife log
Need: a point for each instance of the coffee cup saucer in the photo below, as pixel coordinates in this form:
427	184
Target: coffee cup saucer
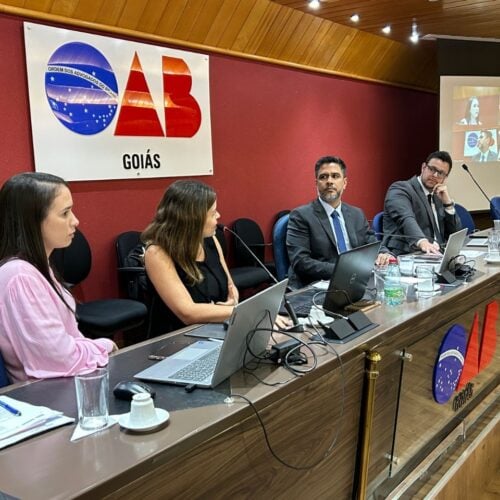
492	260
162	417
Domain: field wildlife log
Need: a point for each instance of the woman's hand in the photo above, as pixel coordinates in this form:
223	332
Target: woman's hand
232	296
282	322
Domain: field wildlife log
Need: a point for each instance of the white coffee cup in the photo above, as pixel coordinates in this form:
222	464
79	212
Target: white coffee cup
142	411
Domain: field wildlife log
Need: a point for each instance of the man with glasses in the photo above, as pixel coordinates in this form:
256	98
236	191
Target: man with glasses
319	231
484	143
419	213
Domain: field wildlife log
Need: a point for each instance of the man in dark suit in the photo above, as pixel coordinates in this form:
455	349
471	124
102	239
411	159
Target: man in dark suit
484	143
419	213
319	231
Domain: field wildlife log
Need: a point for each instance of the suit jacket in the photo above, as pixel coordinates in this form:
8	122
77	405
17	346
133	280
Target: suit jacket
407	212
490	156
311	244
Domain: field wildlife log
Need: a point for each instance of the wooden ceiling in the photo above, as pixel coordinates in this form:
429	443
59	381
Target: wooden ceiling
269	31
461	18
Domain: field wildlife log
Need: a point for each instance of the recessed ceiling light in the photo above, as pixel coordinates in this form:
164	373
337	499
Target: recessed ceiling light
355	18
386	29
314	4
414	33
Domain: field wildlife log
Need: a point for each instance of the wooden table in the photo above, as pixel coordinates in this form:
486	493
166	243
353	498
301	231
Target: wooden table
213	448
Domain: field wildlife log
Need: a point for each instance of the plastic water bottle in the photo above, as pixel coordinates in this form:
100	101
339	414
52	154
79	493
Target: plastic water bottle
393	289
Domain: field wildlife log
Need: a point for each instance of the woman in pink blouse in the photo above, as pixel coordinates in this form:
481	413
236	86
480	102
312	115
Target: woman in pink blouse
39	336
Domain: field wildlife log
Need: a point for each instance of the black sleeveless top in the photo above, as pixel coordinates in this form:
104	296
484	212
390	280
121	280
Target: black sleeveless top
213	288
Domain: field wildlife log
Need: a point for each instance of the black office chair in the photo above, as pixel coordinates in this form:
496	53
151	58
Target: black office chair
244	277
97	317
280	251
377	225
249	231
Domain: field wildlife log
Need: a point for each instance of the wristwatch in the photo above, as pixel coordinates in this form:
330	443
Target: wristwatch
448	205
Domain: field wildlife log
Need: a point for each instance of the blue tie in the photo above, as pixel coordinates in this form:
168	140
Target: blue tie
339	235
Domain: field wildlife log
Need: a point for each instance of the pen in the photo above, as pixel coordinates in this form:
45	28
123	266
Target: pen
9	408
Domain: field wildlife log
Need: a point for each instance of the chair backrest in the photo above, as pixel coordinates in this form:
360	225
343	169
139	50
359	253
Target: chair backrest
377	225
465	218
249	231
4	378
281	260
131	271
73	262
495	208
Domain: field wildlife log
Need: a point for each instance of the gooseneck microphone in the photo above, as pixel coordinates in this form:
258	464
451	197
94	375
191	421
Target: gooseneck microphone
297	327
495	213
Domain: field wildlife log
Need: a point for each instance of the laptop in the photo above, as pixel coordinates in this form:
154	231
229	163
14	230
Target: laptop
347	285
206	363
453	248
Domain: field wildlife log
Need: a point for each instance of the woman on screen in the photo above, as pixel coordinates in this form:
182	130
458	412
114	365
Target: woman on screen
471	112
39	336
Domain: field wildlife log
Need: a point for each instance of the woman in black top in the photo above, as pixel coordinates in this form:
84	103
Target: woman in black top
184	260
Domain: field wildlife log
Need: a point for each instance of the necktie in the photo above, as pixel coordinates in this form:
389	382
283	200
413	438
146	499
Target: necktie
339	235
429	198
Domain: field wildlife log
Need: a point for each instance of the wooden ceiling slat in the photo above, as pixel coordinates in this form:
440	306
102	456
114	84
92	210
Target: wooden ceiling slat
87	10
110	12
205	20
170	17
241	14
150	17
287	33
251	23
37	5
310	33
63	8
224	17
273	34
131	13
190	14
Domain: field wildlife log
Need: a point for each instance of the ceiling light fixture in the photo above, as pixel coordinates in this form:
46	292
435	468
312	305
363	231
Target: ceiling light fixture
386	29
414	33
314	4
355	18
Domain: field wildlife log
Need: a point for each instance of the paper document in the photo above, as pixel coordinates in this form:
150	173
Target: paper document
19	420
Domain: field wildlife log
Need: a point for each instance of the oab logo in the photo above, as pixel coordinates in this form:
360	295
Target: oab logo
83	94
459	361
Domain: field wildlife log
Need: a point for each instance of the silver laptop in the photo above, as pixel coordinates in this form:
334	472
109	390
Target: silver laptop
453	248
207	363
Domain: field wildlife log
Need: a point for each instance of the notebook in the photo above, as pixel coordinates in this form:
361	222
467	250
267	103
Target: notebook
347	284
206	363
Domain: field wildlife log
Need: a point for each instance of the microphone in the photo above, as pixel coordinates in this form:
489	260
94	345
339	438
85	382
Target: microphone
297	327
495	213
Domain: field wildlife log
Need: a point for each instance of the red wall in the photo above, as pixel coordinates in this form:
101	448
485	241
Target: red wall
269	125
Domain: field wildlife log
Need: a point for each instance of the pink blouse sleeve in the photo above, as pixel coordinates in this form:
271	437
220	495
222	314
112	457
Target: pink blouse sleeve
43	332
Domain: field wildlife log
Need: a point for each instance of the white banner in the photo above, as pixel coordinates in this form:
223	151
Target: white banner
104	108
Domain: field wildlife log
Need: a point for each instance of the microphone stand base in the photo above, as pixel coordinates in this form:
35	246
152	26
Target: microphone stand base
344	330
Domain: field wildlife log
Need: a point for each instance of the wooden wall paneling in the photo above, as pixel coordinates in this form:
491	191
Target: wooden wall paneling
38	5
222	19
110	12
287	35
279	32
203	22
191	13
300	427
306	28
87	10
246	35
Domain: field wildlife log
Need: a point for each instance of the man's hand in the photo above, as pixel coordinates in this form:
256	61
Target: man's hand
383	259
441	191
427	247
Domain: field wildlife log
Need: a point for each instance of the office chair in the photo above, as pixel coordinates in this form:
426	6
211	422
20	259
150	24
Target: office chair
281	260
495	208
97	317
377	225
249	231
131	272
465	218
244	277
4	378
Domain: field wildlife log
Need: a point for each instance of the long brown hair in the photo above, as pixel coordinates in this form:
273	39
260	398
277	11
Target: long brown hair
178	224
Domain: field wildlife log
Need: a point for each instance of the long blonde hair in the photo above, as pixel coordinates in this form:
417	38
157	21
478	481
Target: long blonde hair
177	226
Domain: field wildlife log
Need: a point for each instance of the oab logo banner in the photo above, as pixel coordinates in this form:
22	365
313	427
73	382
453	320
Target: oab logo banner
103	108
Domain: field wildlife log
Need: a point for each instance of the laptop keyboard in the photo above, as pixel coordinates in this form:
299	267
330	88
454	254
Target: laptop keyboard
200	368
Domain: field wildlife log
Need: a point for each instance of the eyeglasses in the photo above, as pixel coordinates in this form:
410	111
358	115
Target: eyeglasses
435	171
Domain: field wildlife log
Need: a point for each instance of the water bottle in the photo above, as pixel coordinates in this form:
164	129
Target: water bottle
393	289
